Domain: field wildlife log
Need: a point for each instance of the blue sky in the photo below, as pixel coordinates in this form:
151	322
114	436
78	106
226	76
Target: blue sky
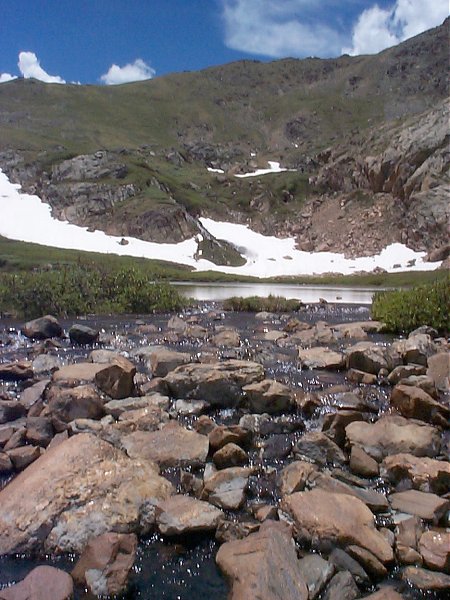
81	40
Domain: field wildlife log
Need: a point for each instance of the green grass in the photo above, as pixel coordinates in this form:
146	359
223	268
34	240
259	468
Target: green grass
405	310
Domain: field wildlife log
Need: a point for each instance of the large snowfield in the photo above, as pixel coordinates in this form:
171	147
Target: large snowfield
26	218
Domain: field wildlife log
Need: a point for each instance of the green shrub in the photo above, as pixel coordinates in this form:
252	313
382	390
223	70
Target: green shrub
404	310
77	290
274	304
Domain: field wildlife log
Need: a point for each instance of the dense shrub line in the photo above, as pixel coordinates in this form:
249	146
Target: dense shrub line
257	304
75	290
405	310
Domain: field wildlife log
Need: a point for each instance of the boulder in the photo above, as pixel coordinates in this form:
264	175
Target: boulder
403	371
226	488
439	370
219	383
16	371
39	431
362	464
116	378
77	373
228	338
46	363
105	563
394	435
116	408
316	572
268	396
322	516
367	357
424	505
385	593
23	456
345	563
407	534
435	549
320	358
33	394
78	489
293	478
43	328
69	403
417	348
413	403
180	515
82	334
341	587
171	446
10	410
221	435
230	455
263	565
374	500
424	474
318	448
163	360
426	580
5	463
42	583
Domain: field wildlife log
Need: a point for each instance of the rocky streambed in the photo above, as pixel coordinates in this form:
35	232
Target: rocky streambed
215	455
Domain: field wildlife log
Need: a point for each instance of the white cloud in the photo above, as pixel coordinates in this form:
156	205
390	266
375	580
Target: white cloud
377	28
279	28
4	77
137	71
274	28
29	67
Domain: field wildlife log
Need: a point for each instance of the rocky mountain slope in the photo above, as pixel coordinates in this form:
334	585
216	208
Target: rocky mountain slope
367	138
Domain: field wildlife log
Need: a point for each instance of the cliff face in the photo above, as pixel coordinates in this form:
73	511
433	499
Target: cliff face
367	139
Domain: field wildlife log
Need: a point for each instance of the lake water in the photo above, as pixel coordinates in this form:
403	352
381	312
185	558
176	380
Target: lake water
305	293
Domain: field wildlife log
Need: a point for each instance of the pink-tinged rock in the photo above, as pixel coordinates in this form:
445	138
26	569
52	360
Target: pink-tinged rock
116	378
424	474
426	580
42	583
414	403
180	515
263	565
105	563
337	518
426	506
434	546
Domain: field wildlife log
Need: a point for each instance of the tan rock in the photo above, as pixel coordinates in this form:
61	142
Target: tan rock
23	456
163	360
80	488
116	378
69	403
16	371
181	515
426	506
42	583
413	403
106	562
171	446
221	435
362	464
293	478
426	580
268	396
320	358
439	370
434	546
226	488
424	474
263	565
230	455
78	372
338	518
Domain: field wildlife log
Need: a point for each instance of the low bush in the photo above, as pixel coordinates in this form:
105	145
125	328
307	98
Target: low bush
75	290
275	304
404	310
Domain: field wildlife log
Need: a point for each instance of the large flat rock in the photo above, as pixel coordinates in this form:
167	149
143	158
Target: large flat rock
77	489
326	516
180	515
263	565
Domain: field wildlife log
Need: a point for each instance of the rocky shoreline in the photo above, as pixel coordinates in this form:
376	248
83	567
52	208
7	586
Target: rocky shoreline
309	448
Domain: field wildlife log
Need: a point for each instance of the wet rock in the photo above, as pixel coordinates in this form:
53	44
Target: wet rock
82	334
116	378
374	500
77	373
423	382
414	403
16	371
335	518
177	324
426	580
318	448
171	446
191	407
18	437
43	328
394	435
228	338
226	488
266	512
417	348
180	515
434	547
163	360
105	563
143	419
334	424
263	565
228	531
10	410
102	356
385	593
344	562
367	357
268	396
31	395
46	363
439	370
293	478
219	384
369	562
23	456
316	572
424	474
204	425
5	463
426	506
42	583
39	431
230	455
80	488
320	358
362	464
67	404
361	377
403	371
342	587
407	534
277	446
116	408
353	331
